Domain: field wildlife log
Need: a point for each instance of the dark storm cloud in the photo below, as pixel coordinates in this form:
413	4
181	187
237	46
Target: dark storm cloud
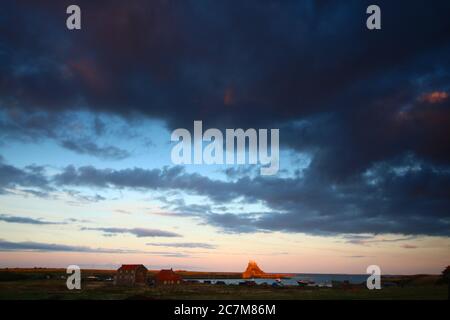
241	171
184	245
25	220
53	247
16	124
84	197
12	177
50	247
138	232
346	143
389	198
73	220
70	131
252	64
409	246
138	178
403	196
367	240
88	147
371	109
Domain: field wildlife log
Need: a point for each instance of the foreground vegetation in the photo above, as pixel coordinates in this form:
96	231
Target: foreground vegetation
50	285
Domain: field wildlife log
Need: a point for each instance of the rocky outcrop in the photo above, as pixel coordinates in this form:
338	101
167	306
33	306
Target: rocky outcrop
253	271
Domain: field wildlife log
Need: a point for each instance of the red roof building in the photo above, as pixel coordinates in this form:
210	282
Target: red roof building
131	274
167	276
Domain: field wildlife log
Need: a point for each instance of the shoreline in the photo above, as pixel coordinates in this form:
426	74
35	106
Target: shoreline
205	274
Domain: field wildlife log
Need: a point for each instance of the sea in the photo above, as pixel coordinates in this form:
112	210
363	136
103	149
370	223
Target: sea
318	279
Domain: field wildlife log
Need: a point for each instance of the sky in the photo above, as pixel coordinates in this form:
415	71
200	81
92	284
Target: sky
86	116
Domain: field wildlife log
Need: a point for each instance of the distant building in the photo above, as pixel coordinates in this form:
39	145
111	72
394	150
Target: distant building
167	277
130	275
253	271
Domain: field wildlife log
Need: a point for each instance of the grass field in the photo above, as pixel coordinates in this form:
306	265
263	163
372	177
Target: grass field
35	285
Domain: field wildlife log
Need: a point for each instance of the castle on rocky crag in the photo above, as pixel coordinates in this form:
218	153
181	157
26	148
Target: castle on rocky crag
253	271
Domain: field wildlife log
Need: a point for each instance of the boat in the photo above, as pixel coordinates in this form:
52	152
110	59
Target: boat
277	284
305	283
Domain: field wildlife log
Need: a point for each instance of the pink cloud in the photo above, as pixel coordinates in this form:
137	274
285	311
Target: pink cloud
435	97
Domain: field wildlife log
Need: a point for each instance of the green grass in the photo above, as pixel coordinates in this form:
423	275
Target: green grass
56	289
